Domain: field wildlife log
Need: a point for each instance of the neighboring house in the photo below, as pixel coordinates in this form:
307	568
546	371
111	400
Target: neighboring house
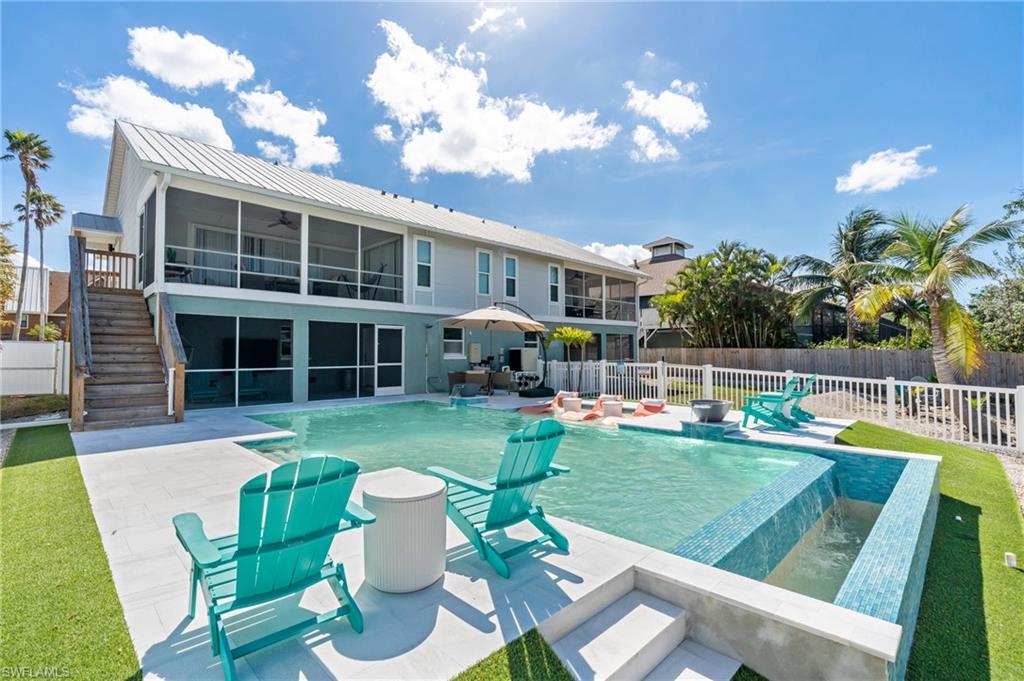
828	321
668	256
55	286
292	286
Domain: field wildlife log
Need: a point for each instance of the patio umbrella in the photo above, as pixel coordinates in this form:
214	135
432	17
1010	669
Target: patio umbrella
495	319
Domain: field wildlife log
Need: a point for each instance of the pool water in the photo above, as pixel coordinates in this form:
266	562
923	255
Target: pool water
819	563
650	488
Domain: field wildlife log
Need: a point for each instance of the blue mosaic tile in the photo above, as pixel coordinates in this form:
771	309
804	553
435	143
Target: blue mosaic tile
752	537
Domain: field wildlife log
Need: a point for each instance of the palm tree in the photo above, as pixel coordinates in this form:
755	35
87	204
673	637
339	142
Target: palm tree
44	210
572	337
858	239
32	153
929	261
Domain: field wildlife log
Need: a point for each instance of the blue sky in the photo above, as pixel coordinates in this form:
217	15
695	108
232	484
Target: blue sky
609	123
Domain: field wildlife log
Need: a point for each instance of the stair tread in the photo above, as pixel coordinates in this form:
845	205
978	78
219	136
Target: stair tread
600	646
128	423
105	413
693	662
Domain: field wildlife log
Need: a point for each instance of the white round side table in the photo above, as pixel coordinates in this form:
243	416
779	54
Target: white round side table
612	408
572	403
405	549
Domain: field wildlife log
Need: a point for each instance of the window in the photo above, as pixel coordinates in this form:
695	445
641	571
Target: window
483	273
424	263
531	339
511	276
621	299
619	347
583	295
453	343
233	361
553	283
24	320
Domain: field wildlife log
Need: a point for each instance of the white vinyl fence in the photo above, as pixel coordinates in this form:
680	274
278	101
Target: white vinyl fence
992	417
34	367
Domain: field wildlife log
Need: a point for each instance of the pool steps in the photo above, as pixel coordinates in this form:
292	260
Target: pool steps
619	632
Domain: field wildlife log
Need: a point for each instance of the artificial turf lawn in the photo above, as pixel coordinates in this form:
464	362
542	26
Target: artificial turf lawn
968	626
58	607
528	658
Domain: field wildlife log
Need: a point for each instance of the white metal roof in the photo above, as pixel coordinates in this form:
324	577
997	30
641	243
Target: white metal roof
95	223
160	149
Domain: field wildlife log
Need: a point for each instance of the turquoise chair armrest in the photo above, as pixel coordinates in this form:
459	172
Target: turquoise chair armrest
359	515
559	469
454	478
189	529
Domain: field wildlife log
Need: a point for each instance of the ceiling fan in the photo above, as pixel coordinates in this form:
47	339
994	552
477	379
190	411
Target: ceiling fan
283	221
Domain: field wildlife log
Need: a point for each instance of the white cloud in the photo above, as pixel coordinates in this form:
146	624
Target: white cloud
270	111
278	153
495	19
187	61
674	109
384	133
884	170
623	254
650	148
465	56
449	125
120	97
649	55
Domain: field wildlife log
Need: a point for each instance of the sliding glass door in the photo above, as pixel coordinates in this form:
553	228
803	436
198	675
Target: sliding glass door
355	360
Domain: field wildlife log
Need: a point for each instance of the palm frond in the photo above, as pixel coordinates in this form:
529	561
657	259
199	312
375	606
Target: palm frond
963	345
871	302
807	300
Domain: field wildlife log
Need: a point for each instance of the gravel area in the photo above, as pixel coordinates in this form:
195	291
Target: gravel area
1013	463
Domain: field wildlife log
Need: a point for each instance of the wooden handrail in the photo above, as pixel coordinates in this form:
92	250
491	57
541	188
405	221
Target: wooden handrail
172	352
81	337
110	269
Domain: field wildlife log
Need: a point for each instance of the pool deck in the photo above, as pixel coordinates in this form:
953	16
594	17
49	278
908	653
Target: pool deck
138	479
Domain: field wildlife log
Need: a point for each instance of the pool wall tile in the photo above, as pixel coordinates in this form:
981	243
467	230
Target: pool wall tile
887	578
752	537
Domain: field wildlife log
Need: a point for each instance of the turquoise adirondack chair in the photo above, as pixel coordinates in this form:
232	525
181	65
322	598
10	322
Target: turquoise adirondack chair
287	520
768	407
796	414
480	507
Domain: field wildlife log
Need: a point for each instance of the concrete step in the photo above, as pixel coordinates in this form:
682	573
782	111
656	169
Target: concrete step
129	423
118	390
626	640
113	379
693	662
92	401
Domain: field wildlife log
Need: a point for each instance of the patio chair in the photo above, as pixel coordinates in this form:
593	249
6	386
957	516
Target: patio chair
793	411
287	520
501	380
768	407
482	507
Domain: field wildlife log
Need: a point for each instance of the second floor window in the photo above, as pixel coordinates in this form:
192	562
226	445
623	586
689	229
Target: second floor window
553	283
483	273
511	276
424	263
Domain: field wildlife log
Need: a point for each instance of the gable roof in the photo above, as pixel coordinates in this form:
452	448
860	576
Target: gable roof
162	150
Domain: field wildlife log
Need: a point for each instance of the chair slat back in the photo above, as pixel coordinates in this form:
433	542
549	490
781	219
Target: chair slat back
528	455
805	390
295	500
791	385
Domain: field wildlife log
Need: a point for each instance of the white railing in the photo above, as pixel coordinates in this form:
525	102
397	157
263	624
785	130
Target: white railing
976	415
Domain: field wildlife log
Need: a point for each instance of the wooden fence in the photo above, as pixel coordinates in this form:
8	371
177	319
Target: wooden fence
1002	369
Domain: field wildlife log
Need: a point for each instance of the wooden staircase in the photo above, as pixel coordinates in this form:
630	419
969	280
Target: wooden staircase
127	386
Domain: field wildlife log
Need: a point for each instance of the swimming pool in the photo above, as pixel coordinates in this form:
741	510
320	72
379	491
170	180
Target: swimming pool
649	488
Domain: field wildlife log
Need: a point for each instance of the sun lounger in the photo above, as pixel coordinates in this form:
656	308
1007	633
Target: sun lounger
549	407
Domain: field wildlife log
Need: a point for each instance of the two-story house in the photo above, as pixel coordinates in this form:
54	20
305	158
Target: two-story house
292	286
